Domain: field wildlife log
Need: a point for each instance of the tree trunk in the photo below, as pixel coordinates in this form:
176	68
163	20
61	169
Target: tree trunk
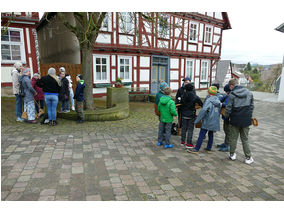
87	72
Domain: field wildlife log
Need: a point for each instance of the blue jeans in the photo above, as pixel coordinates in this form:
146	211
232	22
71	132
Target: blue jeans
51	103
19	102
201	136
65	105
164	127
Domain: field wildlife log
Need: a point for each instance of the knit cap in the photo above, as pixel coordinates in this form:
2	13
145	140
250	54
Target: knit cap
27	70
163	85
212	90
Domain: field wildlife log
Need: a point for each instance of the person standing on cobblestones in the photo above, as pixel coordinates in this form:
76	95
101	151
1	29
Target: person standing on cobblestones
15	73
64	93
29	105
167	110
239	112
79	97
50	85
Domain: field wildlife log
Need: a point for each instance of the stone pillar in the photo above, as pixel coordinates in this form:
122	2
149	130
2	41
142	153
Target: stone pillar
117	95
281	88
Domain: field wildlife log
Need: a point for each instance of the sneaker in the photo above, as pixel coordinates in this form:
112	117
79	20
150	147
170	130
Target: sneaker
170	146
20	120
66	111
182	143
54	123
192	150
166	146
224	149
221	145
233	156
61	111
189	146
73	108
249	160
208	150
159	143
50	123
31	121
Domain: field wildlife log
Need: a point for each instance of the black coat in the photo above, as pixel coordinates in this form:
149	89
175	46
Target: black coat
188	103
64	90
48	84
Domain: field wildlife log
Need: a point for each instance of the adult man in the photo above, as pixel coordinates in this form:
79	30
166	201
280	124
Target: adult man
15	73
239	113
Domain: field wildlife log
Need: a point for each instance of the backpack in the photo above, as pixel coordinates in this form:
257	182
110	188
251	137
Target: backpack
174	129
21	90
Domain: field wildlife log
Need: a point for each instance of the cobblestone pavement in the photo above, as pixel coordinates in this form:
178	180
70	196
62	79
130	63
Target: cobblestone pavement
119	160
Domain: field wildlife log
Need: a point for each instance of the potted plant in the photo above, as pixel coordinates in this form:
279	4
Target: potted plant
118	83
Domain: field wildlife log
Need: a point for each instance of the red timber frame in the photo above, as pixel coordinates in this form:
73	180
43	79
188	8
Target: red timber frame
115	48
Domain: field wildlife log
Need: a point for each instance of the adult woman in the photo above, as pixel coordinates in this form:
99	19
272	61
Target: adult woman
39	98
50	85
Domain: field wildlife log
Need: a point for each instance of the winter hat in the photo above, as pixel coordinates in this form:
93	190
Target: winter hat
80	76
212	90
227	88
26	70
187	79
163	85
62	69
36	75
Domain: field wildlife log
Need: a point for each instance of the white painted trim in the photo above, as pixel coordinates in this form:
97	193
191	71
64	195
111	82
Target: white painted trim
31	65
107	67
207	71
130	67
197	31
28	40
211	36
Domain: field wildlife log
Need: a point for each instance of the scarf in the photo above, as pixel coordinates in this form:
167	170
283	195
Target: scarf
55	78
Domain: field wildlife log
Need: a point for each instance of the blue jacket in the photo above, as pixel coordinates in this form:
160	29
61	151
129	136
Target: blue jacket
79	91
210	114
28	89
224	101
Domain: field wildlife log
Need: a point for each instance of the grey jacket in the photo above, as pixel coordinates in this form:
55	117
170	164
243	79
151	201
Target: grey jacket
240	107
15	80
28	89
210	114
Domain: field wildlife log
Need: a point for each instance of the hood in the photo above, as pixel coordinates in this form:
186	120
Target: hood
240	91
214	100
21	78
14	70
82	82
165	99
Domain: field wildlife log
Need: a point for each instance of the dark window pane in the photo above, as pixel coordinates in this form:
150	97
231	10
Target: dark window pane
126	61
5	37
103	60
98	60
15	36
122	61
103	68
98	68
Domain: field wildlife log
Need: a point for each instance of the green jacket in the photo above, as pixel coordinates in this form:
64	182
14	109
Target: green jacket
167	109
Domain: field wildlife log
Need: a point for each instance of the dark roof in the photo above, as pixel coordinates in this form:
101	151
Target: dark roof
44	20
280	28
222	68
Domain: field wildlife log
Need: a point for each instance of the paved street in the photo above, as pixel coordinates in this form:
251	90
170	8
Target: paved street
119	160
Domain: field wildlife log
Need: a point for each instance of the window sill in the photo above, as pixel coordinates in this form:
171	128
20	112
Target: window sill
204	82
101	85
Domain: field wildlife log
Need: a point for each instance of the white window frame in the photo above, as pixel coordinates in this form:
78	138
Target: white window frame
205	34
108	21
130	68
204	68
22	47
187	69
197	31
126	25
107	68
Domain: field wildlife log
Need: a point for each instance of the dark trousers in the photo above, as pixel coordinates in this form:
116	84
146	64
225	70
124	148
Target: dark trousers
201	136
39	102
80	110
187	127
164	127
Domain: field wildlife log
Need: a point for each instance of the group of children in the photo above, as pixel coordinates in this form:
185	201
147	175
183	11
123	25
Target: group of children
186	101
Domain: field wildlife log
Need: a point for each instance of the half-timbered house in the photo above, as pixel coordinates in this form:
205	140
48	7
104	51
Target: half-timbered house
18	43
143	48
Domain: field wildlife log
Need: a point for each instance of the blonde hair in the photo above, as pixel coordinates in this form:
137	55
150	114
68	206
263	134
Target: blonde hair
167	91
233	82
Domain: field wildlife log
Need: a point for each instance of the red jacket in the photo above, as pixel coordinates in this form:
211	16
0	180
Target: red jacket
39	91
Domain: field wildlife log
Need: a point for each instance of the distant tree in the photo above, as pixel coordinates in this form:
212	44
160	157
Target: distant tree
255	71
248	66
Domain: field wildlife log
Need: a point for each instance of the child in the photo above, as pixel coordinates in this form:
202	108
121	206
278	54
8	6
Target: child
225	147
167	109
188	113
79	97
39	98
210	116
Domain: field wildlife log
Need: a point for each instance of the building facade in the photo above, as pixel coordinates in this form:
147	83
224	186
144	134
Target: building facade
144	48
18	43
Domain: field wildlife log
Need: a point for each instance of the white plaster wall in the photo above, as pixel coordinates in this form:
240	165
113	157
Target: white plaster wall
162	44
182	67
113	75
144	74
174	75
99	90
217	30
217	50
210	14
135	75
145	86
218	15
123	39
201	32
207	49
174	85
113	61
135	61
104	38
144	61
6	74
200	47
184	45
196	83
174	63
192	47
197	67
216	39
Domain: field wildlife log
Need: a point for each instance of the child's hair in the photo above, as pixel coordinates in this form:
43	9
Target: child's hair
167	91
80	76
